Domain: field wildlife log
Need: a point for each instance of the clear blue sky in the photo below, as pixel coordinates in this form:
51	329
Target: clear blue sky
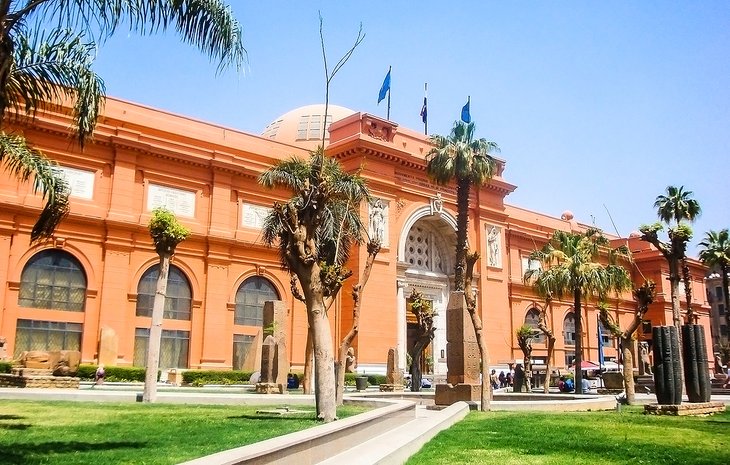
592	103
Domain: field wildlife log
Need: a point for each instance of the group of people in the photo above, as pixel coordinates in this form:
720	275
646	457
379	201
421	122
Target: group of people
502	380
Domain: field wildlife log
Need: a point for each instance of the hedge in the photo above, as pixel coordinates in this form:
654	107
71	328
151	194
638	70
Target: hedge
115	374
202	377
5	367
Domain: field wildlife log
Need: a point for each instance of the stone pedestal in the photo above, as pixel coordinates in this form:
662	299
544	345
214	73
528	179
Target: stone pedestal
462	356
270	388
697	408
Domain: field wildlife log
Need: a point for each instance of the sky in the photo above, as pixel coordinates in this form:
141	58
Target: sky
597	106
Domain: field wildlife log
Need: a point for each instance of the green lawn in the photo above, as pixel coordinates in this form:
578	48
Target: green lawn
34	432
600	438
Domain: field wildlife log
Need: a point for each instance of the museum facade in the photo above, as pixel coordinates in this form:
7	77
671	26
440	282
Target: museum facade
91	286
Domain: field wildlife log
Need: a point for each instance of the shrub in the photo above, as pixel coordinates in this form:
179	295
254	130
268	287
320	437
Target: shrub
202	377
116	374
374	380
5	367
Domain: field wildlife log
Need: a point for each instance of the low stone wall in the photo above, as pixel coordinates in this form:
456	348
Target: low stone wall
316	444
44	382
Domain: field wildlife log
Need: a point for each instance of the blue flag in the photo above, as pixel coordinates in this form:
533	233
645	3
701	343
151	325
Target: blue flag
385	88
424	110
465	116
600	344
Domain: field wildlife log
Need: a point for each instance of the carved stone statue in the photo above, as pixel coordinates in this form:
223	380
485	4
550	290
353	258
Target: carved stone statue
493	247
350	361
3	349
377	221
645	362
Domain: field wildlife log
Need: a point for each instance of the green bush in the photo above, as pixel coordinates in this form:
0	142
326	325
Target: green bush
115	374
202	377
374	380
5	367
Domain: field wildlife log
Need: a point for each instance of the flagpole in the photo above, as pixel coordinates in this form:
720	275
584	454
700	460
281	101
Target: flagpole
390	91
425	100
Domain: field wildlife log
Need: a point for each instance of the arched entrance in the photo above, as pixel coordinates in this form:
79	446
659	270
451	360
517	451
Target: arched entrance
426	263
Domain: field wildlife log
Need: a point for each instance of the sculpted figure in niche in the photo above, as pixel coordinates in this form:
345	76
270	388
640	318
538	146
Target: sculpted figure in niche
377	221
493	247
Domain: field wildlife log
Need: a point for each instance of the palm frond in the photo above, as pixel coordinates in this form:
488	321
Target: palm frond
26	163
49	66
208	25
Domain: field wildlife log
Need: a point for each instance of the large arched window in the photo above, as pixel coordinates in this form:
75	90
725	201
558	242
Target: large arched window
250	299
53	279
532	319
179	296
569	329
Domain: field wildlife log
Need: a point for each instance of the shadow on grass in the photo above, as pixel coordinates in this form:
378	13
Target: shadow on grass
20	426
298	417
11	417
37	453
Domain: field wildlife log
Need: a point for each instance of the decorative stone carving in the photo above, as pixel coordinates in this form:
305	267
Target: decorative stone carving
437	204
378	221
494	246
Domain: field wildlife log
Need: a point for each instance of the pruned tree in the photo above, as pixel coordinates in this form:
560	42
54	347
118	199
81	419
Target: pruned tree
643	297
373	248
315	231
166	233
525	334
425	330
542	325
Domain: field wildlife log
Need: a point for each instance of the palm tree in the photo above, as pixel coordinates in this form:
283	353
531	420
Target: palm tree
643	296
468	161
569	265
716	253
315	231
459	157
47	49
166	234
677	206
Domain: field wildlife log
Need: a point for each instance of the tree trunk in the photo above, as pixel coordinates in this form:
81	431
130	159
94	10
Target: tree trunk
476	321
324	361
627	353
725	269
578	341
548	364
308	364
357	290
416	354
676	312
153	344
462	225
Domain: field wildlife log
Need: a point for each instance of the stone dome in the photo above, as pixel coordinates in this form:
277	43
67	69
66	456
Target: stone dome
567	215
302	126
